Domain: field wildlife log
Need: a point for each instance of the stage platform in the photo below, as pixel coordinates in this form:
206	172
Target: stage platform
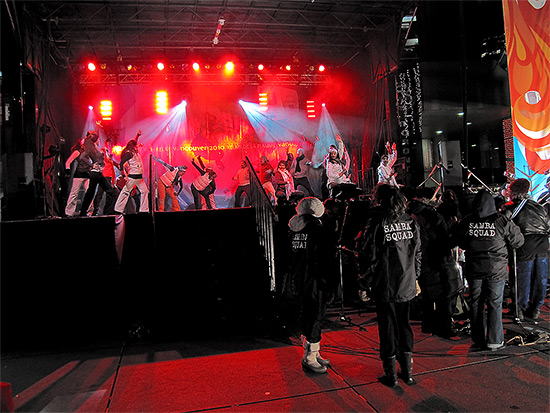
72	279
263	373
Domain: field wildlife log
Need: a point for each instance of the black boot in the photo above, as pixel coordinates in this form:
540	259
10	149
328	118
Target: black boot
388	379
405	362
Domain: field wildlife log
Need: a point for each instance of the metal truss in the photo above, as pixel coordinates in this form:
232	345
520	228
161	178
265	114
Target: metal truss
283	79
132	31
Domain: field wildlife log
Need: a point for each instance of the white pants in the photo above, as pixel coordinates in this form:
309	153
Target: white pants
125	193
270	190
73	195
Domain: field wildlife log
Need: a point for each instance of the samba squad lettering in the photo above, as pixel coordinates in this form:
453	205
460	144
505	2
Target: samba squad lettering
398	231
299	241
482	229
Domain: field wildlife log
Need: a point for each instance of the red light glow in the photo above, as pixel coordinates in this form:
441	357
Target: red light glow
262	98
106	109
92	67
162	102
310	109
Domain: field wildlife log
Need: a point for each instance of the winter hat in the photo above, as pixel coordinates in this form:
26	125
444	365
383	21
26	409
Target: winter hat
310	206
519	187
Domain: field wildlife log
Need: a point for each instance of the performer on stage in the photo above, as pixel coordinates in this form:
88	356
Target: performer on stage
204	185
110	175
386	173
299	168
336	165
81	176
266	173
130	155
166	183
243	178
283	180
96	176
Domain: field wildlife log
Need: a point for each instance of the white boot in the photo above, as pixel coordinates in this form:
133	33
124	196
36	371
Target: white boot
322	361
310	361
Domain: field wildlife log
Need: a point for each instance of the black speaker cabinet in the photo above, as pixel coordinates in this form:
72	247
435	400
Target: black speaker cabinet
449	156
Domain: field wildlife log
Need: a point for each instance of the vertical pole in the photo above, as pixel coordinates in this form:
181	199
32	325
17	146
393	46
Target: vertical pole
151	189
464	85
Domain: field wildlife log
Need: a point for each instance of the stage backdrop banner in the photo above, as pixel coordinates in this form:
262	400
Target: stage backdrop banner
527	26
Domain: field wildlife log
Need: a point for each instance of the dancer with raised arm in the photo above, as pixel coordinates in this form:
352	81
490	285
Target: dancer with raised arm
166	184
386	173
130	156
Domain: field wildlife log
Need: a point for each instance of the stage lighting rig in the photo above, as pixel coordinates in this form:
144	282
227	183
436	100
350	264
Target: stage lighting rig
221	22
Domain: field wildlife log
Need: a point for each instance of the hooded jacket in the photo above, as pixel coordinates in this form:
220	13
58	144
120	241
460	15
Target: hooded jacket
390	256
310	253
436	249
485	235
534	223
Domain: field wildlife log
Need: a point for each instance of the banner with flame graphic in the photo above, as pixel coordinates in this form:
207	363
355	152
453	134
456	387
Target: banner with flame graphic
527	26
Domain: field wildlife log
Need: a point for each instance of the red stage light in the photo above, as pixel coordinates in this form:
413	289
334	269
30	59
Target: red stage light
106	109
129	67
310	109
196	67
117	149
261	67
321	68
160	66
287	67
91	67
229	66
262	98
162	101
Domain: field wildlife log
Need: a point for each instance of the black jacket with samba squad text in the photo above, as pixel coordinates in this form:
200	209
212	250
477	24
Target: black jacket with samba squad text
311	254
485	235
390	256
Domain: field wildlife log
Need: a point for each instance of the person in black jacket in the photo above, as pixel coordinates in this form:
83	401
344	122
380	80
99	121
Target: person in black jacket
311	272
389	259
96	177
532	257
486	235
435	277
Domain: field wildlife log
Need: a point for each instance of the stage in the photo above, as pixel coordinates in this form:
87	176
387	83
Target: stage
73	279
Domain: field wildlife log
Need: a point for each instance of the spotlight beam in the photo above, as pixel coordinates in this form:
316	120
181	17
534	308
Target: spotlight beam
275	130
